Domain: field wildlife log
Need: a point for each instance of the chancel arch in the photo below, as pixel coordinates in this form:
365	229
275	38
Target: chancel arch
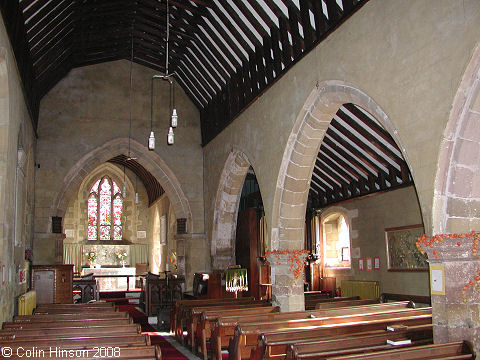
301	172
149	160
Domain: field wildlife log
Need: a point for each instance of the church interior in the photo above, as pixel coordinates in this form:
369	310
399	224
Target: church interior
243	154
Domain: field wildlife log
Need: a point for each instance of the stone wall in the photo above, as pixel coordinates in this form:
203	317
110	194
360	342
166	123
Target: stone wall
17	161
161	251
84	121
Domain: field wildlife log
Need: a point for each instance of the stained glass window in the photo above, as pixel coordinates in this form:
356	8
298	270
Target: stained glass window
104	208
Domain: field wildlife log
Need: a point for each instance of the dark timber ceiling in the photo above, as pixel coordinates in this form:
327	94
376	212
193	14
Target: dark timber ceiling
224	53
153	187
357	157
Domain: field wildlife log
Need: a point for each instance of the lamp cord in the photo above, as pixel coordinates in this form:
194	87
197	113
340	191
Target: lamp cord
168	37
151	105
131	95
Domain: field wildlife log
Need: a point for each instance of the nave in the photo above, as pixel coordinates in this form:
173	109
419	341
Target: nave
338	328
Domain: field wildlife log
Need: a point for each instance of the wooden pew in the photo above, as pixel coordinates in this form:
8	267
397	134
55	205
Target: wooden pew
80	342
49	317
224	328
418	299
55	323
275	343
322	348
74	309
313	297
247	334
151	352
73	331
192	315
343	303
209	317
176	313
183	308
106	304
84	336
455	350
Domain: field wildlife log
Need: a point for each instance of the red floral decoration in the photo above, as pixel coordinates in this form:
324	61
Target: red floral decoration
296	258
473	237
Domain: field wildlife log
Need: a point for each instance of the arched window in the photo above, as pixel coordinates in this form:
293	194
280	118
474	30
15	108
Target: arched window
336	241
104	210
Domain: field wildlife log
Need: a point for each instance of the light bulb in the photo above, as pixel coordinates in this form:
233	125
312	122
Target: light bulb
174	118
124	192
136	198
151	141
170	136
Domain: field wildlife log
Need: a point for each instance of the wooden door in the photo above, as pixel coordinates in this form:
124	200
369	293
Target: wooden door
247	247
44	284
63	282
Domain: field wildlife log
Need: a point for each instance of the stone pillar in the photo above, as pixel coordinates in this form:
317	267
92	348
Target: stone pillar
287	281
192	256
456	313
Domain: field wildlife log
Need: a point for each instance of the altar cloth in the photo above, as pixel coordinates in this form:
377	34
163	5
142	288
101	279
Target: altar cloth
113	283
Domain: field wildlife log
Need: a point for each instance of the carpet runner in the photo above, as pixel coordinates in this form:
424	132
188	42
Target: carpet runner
169	352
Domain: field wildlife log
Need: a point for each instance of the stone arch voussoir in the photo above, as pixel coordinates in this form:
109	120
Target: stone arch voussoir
226	209
148	159
293	182
456	201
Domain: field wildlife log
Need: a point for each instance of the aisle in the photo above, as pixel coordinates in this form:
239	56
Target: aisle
171	350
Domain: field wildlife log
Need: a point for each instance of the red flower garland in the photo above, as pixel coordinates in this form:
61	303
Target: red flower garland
473	236
296	259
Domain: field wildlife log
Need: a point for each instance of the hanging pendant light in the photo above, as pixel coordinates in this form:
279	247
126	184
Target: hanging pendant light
151	138
151	141
172	110
174	118
170	136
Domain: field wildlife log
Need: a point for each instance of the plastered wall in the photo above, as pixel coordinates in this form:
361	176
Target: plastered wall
368	219
407	56
16	173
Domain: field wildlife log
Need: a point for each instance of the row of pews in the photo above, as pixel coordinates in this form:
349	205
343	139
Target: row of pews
76	331
342	328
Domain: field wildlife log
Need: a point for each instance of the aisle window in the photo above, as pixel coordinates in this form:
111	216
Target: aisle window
336	241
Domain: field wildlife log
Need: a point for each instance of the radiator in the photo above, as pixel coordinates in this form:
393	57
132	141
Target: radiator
364	289
27	303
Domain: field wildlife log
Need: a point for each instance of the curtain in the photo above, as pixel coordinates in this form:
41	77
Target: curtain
138	254
73	254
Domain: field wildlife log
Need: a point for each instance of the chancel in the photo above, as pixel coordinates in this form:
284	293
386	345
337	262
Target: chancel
304	162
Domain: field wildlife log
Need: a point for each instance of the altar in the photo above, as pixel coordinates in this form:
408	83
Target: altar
112	278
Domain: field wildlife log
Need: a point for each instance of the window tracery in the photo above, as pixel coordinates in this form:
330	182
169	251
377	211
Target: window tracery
104	211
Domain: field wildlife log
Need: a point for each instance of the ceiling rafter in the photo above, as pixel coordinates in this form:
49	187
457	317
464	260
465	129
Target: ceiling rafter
342	166
229	52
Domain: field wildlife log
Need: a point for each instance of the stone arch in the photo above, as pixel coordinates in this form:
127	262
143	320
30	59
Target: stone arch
148	159
225	213
293	180
456	202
